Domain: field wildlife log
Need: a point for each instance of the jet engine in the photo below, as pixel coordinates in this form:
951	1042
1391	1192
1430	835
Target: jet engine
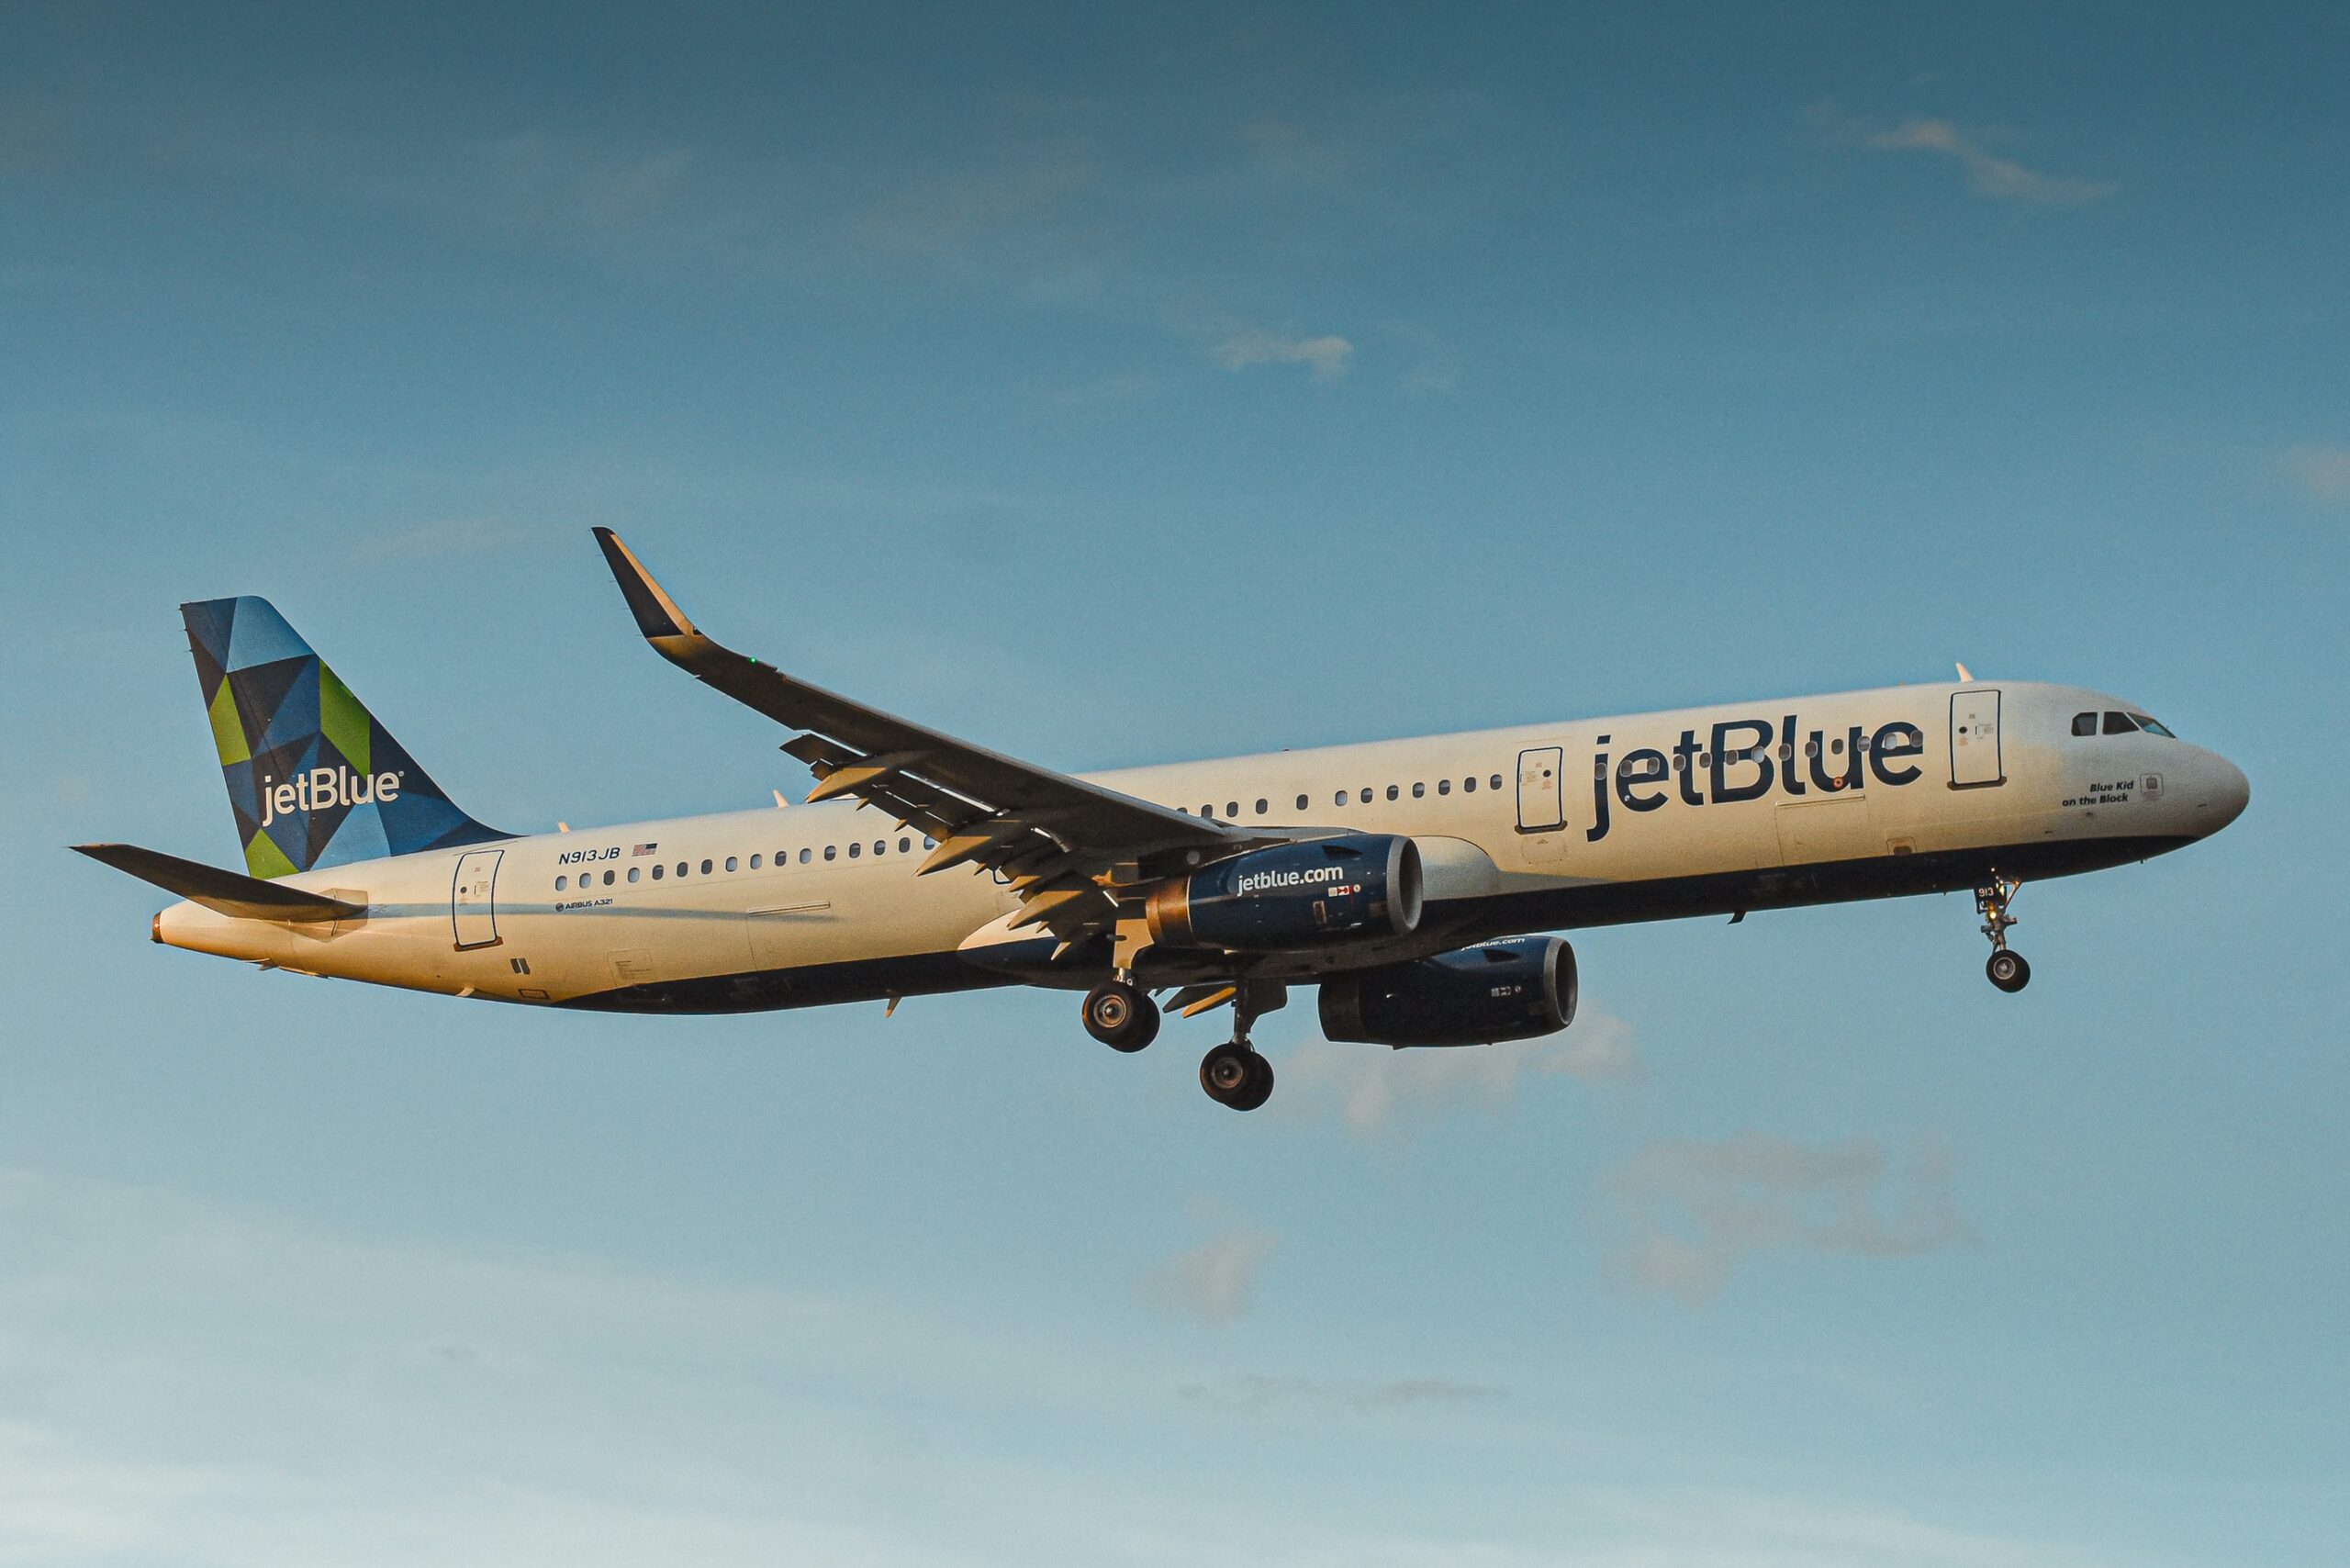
1356	887
1510	989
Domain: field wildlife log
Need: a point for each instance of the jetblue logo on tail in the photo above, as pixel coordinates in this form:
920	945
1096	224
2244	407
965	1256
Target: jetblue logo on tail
324	789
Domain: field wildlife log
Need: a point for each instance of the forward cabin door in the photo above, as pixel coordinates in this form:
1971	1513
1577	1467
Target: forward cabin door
1540	790
1974	740
473	898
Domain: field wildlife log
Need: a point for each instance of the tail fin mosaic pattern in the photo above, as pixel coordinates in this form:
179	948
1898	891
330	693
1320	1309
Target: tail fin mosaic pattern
313	778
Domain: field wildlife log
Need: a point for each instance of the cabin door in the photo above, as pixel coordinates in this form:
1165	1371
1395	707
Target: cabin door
1974	740
1540	790
473	898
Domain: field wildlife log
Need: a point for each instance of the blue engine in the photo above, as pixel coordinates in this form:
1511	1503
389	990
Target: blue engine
1512	989
1354	888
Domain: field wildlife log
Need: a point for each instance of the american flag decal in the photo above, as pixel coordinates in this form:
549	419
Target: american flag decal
645	849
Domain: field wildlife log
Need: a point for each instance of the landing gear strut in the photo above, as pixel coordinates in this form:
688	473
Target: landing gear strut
1121	1016
1233	1073
2007	969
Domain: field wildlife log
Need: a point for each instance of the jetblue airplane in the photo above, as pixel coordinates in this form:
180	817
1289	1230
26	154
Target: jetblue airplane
1408	879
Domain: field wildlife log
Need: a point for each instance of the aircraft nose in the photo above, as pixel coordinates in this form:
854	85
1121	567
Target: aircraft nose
2225	793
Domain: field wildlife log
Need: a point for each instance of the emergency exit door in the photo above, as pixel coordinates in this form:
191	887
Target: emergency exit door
1974	740
473	898
1540	803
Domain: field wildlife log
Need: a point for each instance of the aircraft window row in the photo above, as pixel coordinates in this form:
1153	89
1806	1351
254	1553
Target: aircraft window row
1366	796
708	867
2119	724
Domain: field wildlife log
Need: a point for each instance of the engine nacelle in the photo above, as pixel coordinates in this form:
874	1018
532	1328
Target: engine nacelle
1510	989
1354	888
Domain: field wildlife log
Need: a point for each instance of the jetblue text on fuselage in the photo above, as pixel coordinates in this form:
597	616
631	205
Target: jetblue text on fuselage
1746	759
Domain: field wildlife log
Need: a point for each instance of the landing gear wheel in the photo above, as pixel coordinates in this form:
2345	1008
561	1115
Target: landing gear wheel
2007	970
1236	1076
1120	1017
1260	1084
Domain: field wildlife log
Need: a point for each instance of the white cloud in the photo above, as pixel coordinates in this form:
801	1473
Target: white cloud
1988	173
1372	1087
1215	1281
2321	472
1327	356
1689	1211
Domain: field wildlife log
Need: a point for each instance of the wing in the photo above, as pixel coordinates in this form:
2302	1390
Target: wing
1070	848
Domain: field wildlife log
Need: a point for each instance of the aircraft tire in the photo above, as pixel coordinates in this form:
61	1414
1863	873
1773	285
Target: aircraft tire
2008	970
1120	1017
1226	1074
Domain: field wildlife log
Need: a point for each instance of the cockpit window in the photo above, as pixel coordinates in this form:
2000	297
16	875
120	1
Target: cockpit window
2085	723
2118	723
2151	726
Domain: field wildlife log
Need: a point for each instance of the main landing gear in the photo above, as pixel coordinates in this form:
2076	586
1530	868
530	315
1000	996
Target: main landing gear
1119	1016
1233	1073
2007	969
1118	1013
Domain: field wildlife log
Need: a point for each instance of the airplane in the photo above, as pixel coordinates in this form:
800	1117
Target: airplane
1418	883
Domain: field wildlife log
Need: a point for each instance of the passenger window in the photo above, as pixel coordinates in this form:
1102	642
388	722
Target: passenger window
804	855
558	884
1393	792
1300	802
1208	812
1444	786
755	862
905	846
1467	785
854	850
1261	808
1419	790
656	873
2118	723
681	867
1231	811
1341	798
928	841
880	846
705	866
2085	723
632	872
1366	794
831	851
607	879
1494	782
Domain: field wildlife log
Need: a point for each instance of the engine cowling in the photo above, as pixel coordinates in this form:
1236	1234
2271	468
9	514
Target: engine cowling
1512	989
1353	887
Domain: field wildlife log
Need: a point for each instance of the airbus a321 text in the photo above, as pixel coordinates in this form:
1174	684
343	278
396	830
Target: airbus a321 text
1409	880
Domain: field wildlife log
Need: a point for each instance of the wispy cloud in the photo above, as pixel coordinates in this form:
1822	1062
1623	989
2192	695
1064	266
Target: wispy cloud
1987	173
1215	1281
1327	356
1257	1390
1689	1211
936	214
1374	1088
442	536
2322	473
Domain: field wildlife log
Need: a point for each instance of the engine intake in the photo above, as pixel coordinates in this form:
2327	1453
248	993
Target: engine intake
1512	989
1354	888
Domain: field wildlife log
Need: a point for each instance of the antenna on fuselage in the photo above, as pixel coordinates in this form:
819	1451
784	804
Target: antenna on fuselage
1965	674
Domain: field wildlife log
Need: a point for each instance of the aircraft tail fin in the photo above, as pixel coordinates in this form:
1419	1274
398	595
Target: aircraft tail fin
313	778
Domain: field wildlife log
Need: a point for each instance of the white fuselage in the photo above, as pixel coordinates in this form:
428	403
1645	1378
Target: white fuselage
1541	827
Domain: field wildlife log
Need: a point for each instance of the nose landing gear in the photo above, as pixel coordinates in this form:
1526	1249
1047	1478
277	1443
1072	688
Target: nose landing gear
2007	969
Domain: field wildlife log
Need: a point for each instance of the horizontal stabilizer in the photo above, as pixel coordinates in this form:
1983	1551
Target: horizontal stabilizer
231	893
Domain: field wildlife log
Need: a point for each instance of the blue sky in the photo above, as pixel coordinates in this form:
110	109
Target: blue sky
1110	389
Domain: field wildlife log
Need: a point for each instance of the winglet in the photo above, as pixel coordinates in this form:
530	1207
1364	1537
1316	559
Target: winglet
657	613
229	892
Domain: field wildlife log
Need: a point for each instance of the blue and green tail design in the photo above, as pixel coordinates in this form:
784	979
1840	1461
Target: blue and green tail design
313	778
